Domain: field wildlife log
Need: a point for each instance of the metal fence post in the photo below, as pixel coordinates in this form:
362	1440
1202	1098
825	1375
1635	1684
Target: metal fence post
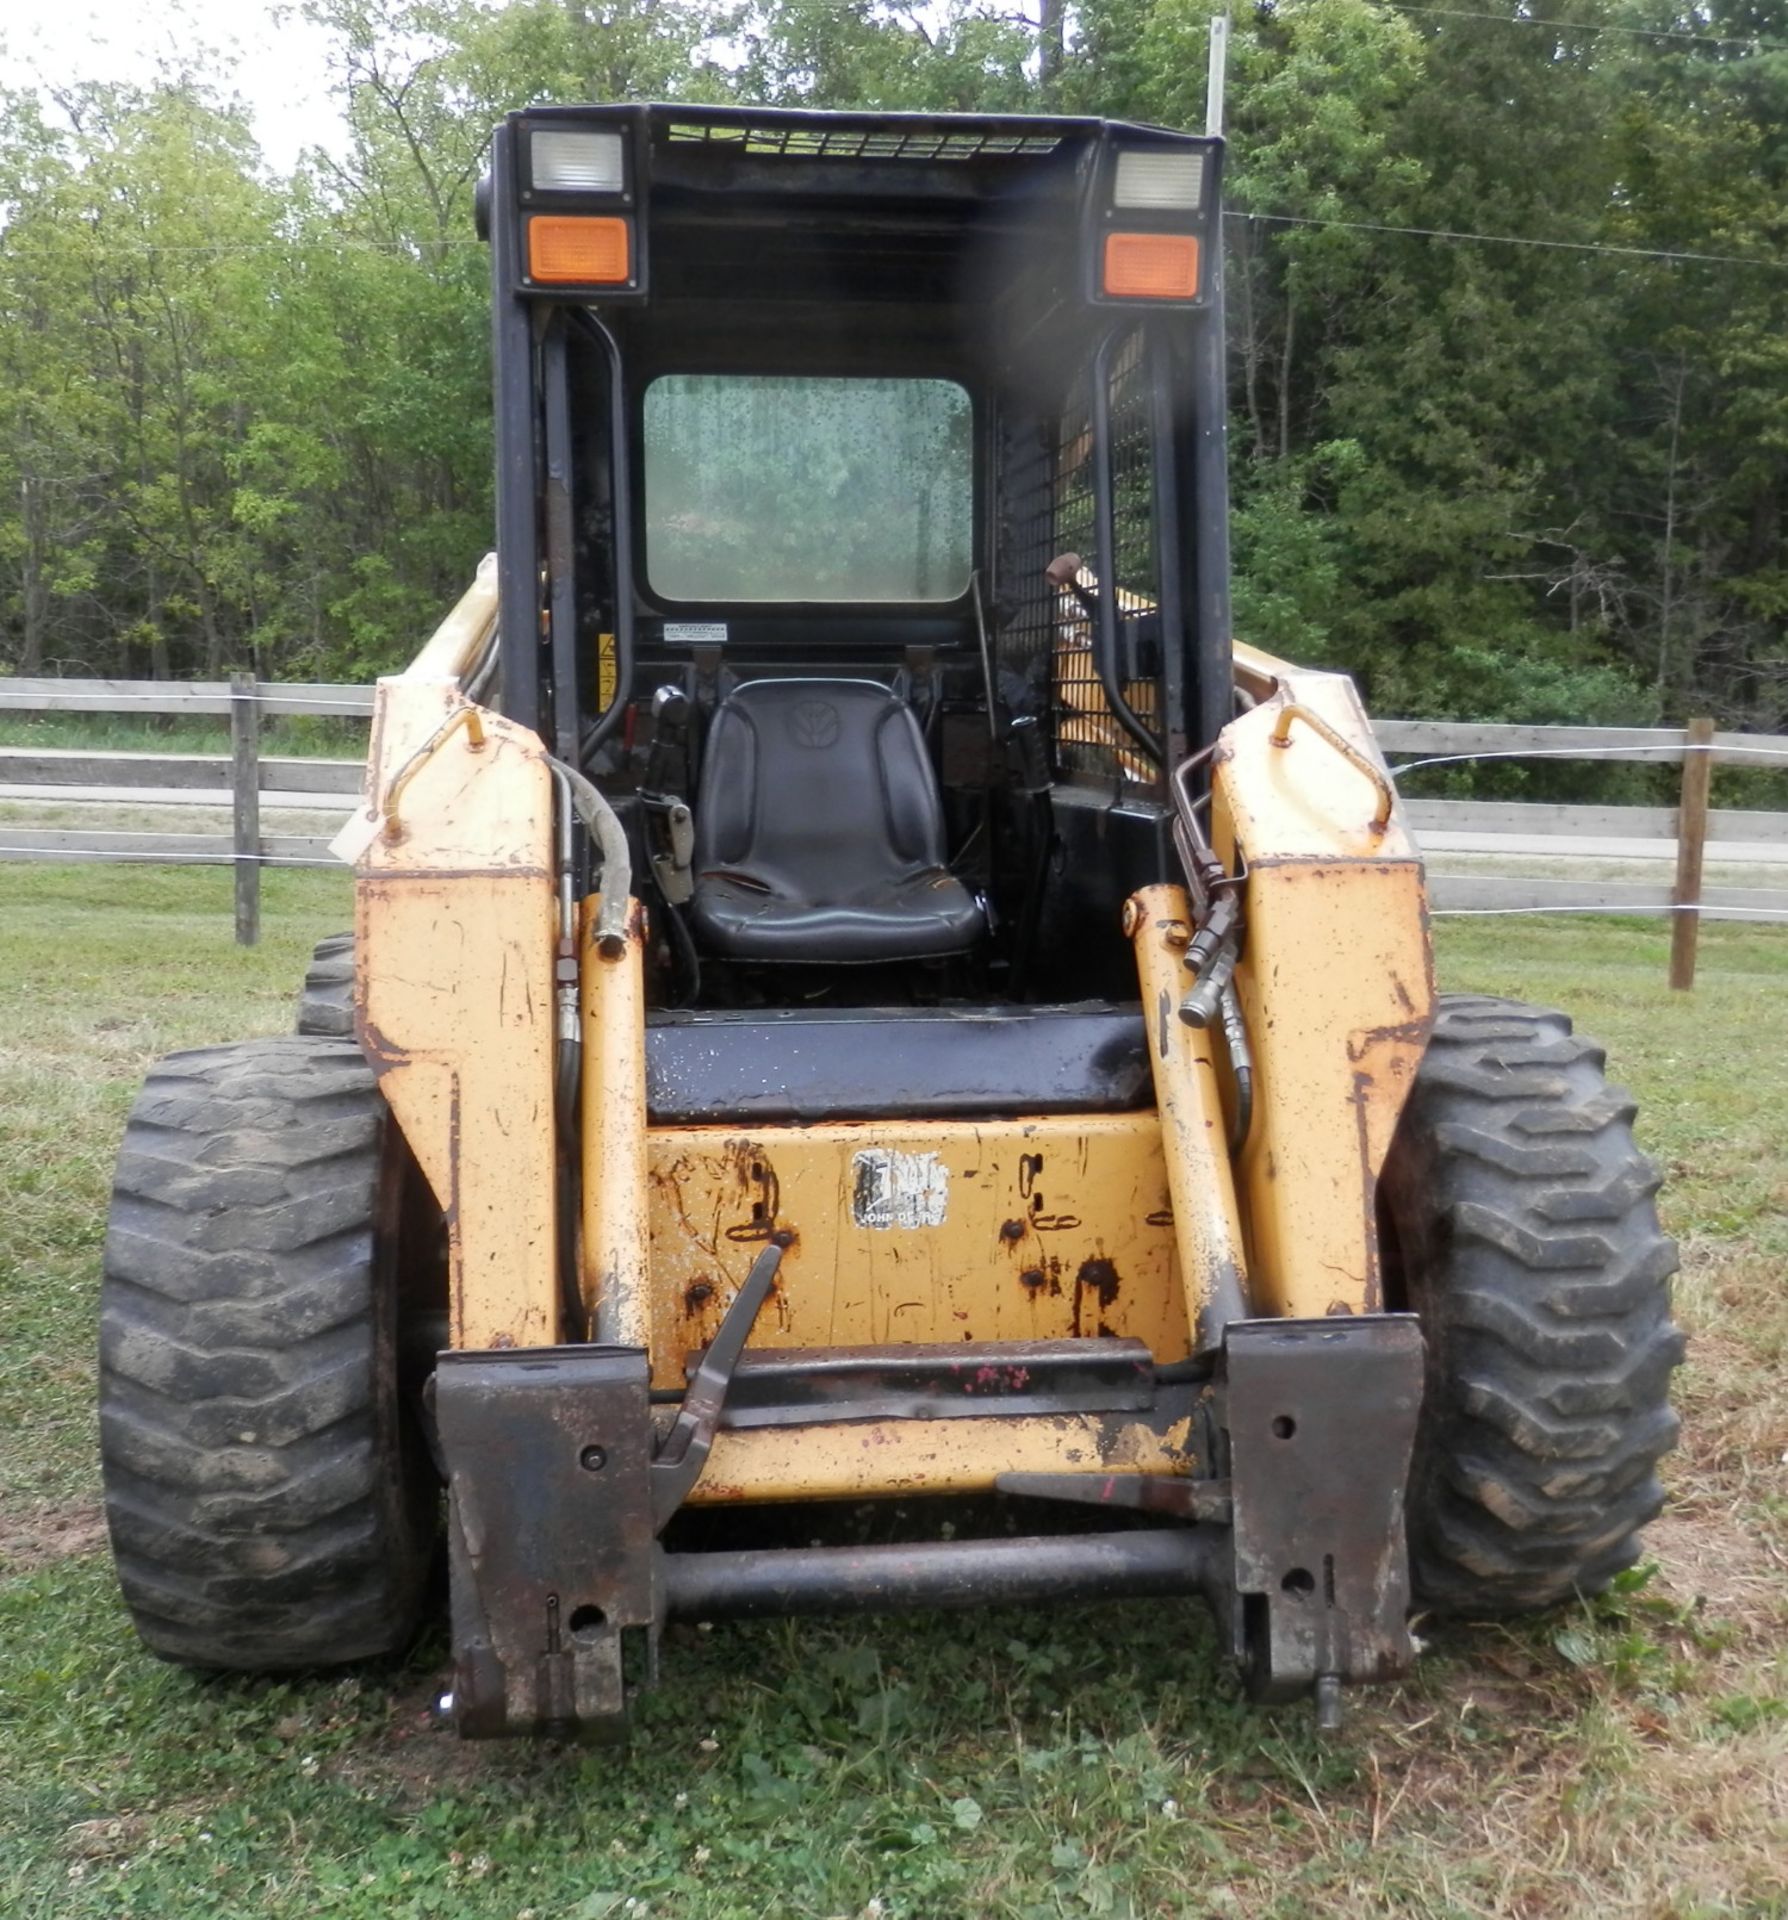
1691	843
245	782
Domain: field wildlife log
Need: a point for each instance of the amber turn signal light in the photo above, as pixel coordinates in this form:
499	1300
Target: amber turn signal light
577	249
1151	266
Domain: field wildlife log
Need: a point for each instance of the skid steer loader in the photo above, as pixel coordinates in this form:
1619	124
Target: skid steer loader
865	1001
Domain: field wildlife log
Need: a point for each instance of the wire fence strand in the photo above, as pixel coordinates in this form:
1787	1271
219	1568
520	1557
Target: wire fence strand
1623	912
1671	749
50	855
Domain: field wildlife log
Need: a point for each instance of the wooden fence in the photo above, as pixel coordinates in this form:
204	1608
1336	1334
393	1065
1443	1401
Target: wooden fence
1543	831
245	777
237	779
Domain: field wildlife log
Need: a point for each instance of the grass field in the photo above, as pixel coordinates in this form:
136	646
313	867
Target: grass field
1625	1758
281	733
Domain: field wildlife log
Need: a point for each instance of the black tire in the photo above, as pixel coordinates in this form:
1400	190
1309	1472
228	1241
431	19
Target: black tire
270	1500
1519	1224
326	1000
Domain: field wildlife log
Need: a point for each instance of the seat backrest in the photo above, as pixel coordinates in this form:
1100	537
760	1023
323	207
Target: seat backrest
816	787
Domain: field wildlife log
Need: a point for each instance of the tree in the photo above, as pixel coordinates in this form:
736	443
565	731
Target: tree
1493	477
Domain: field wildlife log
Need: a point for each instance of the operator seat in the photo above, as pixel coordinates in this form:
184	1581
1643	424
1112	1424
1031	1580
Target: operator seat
819	831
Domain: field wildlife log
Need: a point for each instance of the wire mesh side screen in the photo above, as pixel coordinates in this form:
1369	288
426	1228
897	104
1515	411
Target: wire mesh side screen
1045	643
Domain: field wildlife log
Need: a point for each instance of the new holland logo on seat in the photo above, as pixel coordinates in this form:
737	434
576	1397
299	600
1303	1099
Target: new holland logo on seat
814	723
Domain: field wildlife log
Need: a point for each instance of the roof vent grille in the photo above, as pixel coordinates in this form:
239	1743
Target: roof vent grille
860	143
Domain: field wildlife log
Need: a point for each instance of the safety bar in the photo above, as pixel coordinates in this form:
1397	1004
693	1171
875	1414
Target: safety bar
1293	710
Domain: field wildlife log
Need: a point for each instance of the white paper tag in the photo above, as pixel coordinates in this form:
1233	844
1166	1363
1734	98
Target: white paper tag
695	633
890	1189
353	840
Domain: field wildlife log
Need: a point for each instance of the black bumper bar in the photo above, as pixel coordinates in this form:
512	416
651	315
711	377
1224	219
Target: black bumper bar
940	1573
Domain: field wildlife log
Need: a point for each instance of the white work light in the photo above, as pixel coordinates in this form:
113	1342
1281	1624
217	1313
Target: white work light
1162	180
562	162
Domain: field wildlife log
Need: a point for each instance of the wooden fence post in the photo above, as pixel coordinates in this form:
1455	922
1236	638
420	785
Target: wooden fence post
245	782
1691	841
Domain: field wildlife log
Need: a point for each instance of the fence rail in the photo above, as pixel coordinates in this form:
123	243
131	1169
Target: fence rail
187	697
1476	739
1758	835
1536	831
204	773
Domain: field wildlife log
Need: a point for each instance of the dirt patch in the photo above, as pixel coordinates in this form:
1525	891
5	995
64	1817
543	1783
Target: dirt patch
114	1838
42	1535
1715	1558
416	1754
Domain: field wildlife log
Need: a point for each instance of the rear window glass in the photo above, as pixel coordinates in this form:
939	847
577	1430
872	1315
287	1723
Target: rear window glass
786	488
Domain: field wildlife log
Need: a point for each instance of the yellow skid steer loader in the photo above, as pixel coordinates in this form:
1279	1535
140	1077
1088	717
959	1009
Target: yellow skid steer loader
865	1002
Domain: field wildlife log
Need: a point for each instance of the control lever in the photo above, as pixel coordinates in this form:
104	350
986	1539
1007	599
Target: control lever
671	866
670	725
1064	571
674	854
1029	756
677	1465
1028	762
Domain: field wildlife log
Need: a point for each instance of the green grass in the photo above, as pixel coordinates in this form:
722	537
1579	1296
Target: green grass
301	734
1630	1758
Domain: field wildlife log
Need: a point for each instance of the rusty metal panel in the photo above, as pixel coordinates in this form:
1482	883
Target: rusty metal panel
552	1553
454	947
1193	1131
889	1457
917	1231
1337	999
949	1381
1321	1417
1336	988
614	1255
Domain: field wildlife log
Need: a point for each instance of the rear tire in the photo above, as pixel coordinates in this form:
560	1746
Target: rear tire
270	1500
326	1000
1519	1225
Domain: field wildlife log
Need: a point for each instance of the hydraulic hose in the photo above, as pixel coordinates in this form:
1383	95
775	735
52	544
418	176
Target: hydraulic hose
615	862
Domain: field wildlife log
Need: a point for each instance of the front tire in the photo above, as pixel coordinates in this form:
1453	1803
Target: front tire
1519	1225
326	1000
270	1500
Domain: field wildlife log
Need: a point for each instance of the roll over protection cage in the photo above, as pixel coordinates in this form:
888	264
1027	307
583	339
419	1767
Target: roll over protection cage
543	675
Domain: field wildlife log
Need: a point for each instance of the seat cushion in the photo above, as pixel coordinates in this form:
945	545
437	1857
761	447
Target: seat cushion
819	831
930	914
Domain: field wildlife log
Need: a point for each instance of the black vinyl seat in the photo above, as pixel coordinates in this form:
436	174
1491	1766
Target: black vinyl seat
819	832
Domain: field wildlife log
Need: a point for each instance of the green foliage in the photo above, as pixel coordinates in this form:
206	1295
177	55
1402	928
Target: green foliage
1634	1639
246	419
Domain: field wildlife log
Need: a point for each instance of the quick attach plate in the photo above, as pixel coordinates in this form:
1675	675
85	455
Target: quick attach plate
1321	1417
553	1560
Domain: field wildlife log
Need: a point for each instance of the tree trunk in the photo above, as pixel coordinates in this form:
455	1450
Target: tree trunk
160	667
1667	591
214	645
36	592
1251	344
1051	43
